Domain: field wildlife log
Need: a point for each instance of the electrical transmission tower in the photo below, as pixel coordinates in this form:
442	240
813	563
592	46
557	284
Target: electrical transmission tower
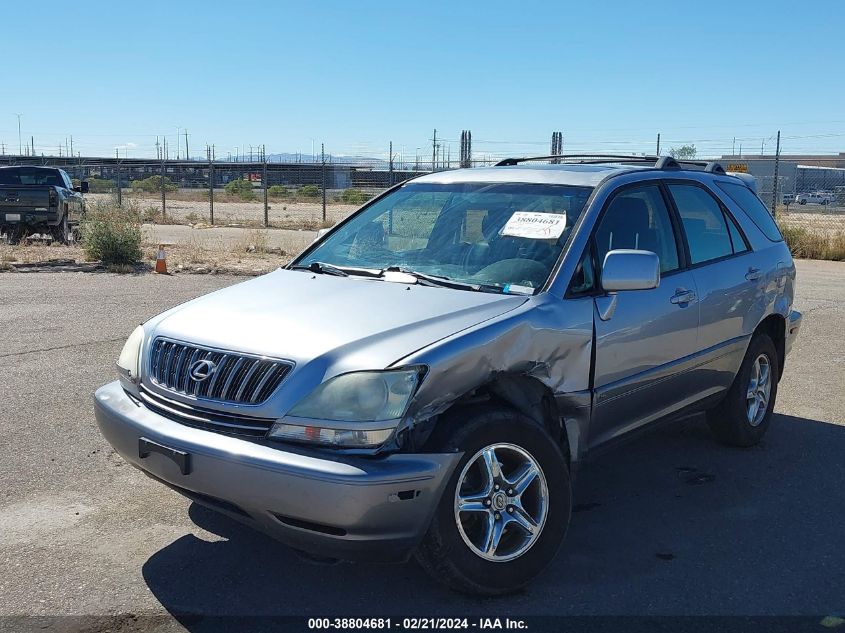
557	146
466	148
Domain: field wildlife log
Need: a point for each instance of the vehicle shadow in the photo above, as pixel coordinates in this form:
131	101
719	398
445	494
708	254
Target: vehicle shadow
672	523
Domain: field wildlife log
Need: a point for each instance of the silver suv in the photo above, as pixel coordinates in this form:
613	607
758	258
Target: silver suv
425	378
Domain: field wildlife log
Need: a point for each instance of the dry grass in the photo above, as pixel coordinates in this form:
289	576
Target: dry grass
810	244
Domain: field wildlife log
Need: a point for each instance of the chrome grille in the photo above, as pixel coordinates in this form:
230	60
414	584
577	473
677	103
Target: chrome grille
205	418
237	378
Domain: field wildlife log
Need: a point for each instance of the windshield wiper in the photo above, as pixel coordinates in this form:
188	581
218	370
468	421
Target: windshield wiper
339	271
322	268
443	282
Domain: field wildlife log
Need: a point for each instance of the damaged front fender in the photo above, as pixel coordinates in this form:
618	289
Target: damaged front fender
546	339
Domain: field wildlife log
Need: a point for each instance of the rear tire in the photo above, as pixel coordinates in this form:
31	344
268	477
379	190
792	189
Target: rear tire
15	235
743	417
61	232
513	522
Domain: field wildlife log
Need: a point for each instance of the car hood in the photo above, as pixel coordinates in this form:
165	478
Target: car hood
341	323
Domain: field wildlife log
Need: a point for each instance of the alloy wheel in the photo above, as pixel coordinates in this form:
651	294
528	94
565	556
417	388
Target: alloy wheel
501	502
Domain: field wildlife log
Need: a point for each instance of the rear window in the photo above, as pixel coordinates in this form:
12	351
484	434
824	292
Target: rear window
756	210
30	176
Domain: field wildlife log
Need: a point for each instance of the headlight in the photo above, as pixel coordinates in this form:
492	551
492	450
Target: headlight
360	409
129	361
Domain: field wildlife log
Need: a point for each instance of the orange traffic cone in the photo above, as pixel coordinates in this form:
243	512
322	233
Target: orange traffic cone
161	261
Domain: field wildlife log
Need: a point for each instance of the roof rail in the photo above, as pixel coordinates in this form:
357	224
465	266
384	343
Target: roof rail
660	162
592	158
666	162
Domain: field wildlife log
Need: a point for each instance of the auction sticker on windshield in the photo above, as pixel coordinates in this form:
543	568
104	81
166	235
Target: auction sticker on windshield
535	226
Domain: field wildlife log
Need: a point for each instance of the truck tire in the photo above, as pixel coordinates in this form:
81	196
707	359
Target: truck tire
61	232
506	508
743	417
15	234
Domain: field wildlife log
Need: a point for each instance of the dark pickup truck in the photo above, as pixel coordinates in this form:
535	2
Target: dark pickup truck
39	200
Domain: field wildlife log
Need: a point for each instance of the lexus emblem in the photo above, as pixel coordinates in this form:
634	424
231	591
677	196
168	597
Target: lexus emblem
202	369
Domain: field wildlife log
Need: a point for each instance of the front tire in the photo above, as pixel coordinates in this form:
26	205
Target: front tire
743	417
506	508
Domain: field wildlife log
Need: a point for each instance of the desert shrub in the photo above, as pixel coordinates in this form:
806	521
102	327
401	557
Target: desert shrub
308	191
152	184
151	215
100	185
240	188
277	191
354	196
112	234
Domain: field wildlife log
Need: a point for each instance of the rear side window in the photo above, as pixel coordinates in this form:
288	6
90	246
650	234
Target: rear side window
704	223
737	239
756	210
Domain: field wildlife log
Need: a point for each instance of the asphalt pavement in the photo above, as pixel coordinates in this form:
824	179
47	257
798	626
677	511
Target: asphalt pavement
670	524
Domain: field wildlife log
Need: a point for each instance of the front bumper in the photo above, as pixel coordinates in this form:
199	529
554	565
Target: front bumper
348	507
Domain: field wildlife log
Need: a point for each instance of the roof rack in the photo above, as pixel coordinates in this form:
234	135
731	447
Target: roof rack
660	162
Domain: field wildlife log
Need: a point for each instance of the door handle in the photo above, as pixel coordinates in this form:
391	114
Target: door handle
753	274
682	296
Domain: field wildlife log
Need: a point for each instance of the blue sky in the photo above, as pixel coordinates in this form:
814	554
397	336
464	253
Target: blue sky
356	75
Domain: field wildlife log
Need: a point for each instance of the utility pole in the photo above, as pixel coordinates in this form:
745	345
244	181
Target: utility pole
733	147
210	185
658	144
71	145
187	153
434	151
323	154
20	145
390	181
177	142
158	150
32	140
264	183
775	182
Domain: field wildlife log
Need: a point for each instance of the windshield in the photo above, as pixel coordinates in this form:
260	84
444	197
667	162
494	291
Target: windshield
503	235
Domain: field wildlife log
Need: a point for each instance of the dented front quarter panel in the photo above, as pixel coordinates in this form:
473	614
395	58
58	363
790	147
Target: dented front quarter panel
547	338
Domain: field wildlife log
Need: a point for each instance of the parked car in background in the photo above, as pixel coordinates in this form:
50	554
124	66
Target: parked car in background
424	379
39	200
814	197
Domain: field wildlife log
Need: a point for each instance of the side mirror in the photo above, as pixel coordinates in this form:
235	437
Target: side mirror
83	186
625	269
321	233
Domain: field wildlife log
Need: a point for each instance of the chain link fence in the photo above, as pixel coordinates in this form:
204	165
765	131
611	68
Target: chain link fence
805	193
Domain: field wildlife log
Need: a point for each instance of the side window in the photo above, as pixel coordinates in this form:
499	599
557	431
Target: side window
739	243
704	223
584	278
638	218
756	210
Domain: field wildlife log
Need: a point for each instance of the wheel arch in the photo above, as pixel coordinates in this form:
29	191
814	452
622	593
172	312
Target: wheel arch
524	394
774	326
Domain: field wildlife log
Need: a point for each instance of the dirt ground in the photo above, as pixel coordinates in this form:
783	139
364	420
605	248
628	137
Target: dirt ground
252	252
